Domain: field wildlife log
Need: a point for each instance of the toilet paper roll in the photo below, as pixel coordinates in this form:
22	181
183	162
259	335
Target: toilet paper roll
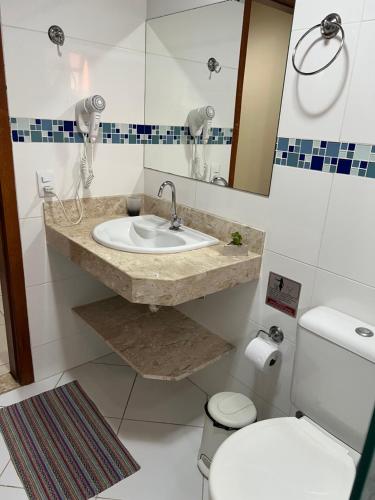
262	353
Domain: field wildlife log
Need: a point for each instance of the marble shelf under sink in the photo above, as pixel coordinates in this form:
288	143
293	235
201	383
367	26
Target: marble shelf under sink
164	279
166	345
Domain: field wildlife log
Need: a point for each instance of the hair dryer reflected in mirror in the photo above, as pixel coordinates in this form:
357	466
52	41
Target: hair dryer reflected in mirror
200	121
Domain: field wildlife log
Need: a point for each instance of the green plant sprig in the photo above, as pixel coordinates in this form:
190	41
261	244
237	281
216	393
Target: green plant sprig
236	239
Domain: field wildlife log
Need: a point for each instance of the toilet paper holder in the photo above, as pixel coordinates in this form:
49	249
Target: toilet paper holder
275	333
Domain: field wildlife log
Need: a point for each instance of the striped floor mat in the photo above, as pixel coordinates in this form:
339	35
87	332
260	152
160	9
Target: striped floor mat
62	447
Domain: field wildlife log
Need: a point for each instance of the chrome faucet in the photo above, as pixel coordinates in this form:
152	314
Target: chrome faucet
176	222
220	181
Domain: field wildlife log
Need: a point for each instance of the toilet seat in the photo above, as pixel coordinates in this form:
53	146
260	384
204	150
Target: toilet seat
281	459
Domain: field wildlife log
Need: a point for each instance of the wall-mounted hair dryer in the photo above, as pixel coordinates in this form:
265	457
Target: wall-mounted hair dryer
88	112
200	120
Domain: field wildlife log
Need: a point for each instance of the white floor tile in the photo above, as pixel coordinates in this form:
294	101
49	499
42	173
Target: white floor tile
4	455
67	353
4	369
110	359
175	403
4	359
108	386
12	493
10	477
167	455
114	423
27	391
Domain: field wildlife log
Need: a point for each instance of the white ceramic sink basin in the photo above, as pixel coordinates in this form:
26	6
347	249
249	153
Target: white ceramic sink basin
149	234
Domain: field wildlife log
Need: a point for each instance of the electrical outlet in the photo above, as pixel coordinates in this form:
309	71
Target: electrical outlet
45	179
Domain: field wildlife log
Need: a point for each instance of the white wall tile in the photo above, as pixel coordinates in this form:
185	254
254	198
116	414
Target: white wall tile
267	316
313	106
55	84
156	8
226	313
185	188
66	353
50	306
216	378
298	205
345	295
266	411
308	13
236	205
192	88
274	386
359	121
118	170
177	159
42	264
348	245
369	10
192	34
122	22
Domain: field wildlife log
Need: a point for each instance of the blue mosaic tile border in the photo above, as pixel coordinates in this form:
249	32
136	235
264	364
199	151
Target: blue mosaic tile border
326	156
65	131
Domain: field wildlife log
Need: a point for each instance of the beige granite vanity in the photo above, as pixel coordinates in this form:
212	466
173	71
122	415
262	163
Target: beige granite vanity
164	345
166	279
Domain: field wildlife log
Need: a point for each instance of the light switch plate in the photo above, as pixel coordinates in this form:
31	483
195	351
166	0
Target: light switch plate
45	178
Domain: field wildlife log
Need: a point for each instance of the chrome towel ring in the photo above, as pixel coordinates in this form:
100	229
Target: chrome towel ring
329	28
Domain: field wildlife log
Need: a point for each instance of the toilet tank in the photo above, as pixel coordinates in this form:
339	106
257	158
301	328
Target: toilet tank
334	374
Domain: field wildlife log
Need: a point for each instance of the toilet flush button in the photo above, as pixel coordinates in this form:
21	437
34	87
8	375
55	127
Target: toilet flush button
364	332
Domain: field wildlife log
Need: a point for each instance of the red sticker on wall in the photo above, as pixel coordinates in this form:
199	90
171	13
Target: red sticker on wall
283	294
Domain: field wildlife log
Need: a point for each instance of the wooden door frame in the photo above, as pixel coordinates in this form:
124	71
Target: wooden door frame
11	263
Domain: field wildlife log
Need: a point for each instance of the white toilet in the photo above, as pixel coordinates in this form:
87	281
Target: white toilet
294	458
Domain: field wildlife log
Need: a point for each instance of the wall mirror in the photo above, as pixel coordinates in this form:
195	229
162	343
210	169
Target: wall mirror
214	81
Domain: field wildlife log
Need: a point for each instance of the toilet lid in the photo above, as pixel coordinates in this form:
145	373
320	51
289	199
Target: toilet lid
283	459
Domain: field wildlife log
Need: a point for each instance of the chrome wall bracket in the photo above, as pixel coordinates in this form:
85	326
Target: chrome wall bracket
56	35
213	65
275	334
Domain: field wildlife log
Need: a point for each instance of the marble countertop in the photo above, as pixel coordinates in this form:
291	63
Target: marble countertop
166	345
164	279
